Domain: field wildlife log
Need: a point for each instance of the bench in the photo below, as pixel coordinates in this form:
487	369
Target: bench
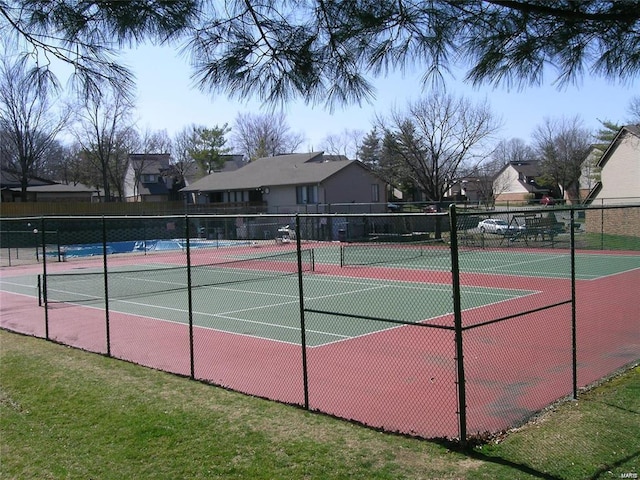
544	227
467	229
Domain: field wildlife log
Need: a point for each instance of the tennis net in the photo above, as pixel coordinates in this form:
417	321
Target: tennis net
77	287
354	254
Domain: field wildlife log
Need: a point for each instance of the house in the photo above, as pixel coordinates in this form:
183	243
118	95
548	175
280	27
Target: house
291	183
619	169
619	184
516	182
144	179
42	190
589	173
152	177
192	172
472	189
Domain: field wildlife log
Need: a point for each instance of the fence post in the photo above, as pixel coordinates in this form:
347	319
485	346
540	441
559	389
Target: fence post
602	224
106	284
457	315
44	282
303	332
574	344
187	235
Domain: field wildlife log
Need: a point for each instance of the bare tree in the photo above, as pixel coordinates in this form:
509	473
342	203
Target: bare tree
264	135
157	141
183	163
68	165
563	145
106	134
437	138
634	110
347	143
514	150
27	122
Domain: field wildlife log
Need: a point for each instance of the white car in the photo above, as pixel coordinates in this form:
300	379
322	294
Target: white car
496	225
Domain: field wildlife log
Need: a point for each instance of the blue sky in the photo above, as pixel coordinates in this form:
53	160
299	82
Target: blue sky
168	100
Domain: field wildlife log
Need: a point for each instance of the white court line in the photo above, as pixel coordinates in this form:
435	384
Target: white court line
426	286
370	286
536	260
227	316
3	282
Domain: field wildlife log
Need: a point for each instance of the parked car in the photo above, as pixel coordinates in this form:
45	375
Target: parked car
546	200
496	225
430	209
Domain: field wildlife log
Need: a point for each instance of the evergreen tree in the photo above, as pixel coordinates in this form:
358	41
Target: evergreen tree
324	51
209	147
370	150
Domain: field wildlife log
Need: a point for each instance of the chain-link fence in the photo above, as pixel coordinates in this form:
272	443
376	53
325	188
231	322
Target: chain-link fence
449	324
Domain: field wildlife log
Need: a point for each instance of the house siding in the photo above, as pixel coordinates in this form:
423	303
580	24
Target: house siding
145	164
64	197
621	173
354	186
130	191
284	196
589	173
507	186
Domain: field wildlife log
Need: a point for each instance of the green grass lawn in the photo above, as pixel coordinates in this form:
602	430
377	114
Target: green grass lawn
597	241
69	414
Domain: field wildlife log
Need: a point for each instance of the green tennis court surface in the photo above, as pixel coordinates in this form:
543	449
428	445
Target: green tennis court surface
527	263
247	299
270	308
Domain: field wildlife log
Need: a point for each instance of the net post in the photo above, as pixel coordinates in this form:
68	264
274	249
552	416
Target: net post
457	317
303	333
59	249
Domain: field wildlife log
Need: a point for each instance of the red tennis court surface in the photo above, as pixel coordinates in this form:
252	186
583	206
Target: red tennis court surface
401	380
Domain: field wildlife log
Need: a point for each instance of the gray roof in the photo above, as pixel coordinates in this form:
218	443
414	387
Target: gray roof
10	178
294	169
149	163
60	187
528	169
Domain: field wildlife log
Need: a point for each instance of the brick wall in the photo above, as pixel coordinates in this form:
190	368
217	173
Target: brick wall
618	221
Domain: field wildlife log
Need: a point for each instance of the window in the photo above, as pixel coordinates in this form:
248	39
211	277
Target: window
307	194
216	197
375	192
236	196
148	178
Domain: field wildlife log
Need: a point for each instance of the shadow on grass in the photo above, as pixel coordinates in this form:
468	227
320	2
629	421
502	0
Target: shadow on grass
470	452
607	468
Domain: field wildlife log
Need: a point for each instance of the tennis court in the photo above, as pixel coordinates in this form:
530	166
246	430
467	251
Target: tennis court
544	263
260	295
242	298
369	355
